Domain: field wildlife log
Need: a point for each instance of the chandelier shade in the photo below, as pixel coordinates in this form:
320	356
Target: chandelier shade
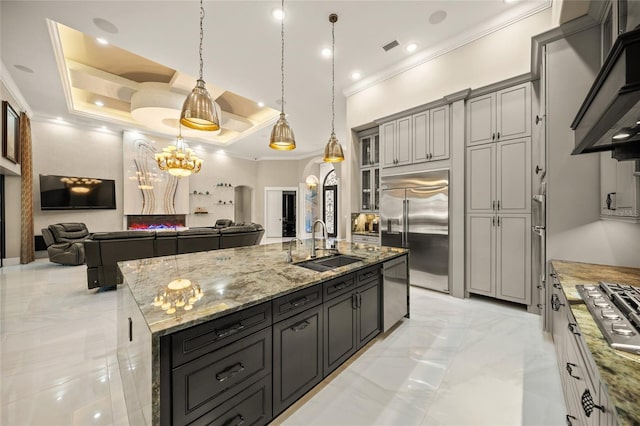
198	111
333	150
282	138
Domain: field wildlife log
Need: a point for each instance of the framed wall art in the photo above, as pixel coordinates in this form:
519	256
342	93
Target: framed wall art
10	133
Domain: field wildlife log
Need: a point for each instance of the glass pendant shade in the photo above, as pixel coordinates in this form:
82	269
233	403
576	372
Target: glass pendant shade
333	151
282	138
198	111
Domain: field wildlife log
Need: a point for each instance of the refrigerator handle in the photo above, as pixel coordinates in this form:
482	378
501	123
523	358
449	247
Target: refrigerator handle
406	224
404	218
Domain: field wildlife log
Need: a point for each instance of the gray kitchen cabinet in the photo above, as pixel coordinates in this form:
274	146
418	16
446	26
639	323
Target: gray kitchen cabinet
498	256
499	116
499	177
368	312
578	374
619	189
431	135
297	357
396	138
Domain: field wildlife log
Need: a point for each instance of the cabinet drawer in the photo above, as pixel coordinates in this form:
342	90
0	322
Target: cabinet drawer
196	341
202	384
252	406
338	286
291	304
367	275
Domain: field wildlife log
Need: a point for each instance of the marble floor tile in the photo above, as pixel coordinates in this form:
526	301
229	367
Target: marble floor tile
454	362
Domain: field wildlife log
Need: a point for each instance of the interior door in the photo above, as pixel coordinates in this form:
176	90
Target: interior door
274	214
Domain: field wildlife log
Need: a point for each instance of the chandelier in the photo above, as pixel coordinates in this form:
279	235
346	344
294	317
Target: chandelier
179	294
179	160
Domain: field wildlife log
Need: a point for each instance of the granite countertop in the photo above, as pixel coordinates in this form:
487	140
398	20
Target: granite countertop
233	279
618	369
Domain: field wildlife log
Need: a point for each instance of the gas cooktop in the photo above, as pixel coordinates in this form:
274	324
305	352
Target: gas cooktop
615	308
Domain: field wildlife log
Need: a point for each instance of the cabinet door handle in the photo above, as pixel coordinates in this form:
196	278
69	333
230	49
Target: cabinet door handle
498	205
359	300
354	302
555	303
498	135
493	221
493	137
571	326
229	331
130	329
498	220
368	274
570	370
234	421
588	404
299	302
228	373
300	326
493	205
340	286
569	418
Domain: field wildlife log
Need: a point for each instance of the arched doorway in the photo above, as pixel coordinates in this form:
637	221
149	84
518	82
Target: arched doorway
330	203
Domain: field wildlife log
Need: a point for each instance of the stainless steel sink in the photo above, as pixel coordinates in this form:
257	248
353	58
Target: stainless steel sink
328	263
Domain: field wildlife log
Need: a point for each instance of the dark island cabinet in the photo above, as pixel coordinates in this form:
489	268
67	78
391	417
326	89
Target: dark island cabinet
352	319
249	366
297	357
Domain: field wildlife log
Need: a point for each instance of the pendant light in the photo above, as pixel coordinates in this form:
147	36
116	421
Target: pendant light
333	151
198	111
282	138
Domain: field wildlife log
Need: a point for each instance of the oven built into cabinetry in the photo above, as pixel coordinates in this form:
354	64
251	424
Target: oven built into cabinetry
584	393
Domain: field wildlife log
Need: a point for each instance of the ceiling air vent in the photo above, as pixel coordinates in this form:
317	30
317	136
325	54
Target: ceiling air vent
387	47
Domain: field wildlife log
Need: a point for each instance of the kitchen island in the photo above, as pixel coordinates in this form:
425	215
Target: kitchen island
588	365
237	335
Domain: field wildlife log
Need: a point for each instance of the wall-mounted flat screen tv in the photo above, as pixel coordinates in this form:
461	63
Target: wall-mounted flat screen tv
73	192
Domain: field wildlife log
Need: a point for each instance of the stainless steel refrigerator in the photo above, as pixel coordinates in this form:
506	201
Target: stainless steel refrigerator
414	214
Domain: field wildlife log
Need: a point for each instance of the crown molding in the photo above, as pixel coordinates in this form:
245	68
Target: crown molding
14	91
439	50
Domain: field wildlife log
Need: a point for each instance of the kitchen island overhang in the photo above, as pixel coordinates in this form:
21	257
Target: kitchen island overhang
217	285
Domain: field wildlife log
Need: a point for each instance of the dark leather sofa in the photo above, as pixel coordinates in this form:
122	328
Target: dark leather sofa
65	242
105	249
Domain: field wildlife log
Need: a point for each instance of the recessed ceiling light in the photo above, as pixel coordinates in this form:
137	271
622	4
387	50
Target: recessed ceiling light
60	120
105	25
411	47
102	41
623	133
437	17
356	75
261	104
96	415
221	151
326	52
99	103
103	128
278	14
511	1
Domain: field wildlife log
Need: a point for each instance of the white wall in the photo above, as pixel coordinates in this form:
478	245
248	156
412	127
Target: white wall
67	150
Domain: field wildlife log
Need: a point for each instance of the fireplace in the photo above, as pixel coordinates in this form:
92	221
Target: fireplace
156	221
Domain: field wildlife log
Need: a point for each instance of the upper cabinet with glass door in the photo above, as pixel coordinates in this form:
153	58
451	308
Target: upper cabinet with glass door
369	150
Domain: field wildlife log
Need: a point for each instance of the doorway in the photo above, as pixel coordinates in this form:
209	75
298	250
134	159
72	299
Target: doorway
281	212
243	205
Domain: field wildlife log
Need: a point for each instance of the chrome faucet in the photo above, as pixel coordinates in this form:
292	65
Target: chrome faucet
313	235
289	257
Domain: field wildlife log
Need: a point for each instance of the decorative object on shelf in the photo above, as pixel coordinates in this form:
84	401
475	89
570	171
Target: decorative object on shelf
195	192
200	210
282	138
179	160
312	181
207	192
333	151
179	293
198	111
10	133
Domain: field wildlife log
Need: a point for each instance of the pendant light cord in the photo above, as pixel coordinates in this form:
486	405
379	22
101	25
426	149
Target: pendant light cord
333	77
201	36
282	59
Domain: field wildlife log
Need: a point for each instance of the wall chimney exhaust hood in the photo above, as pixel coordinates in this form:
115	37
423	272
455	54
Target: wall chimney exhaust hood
609	118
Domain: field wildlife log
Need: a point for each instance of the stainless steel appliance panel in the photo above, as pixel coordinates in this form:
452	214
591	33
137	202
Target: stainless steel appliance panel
395	291
415	215
392	217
